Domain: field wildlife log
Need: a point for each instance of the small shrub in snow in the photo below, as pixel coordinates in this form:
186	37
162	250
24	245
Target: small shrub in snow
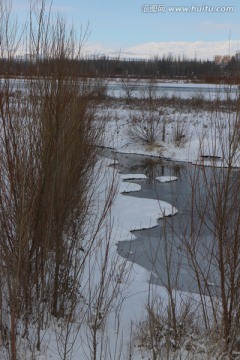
129	87
147	126
180	134
158	335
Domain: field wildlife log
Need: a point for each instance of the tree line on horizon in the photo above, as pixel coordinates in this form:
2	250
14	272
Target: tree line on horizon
165	67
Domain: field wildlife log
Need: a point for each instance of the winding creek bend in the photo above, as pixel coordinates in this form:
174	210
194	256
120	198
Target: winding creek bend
160	249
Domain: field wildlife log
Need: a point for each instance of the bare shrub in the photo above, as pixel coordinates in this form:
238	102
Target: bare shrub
49	179
180	135
156	335
129	86
105	297
151	90
147	126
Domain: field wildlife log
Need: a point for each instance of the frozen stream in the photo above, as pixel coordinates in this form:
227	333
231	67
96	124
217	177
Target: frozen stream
151	247
140	89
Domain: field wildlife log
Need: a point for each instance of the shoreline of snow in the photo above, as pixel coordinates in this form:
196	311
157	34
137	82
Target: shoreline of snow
198	162
129	210
204	135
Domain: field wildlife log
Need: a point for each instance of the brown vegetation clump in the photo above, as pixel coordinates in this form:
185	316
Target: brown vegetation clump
48	178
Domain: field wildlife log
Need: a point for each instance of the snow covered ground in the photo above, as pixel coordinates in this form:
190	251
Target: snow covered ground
204	139
203	135
136	213
128	213
203	142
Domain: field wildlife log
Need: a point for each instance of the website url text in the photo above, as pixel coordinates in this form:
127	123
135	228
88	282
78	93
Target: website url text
160	8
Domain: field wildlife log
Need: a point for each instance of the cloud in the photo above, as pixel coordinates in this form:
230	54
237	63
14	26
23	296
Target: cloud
99	50
200	49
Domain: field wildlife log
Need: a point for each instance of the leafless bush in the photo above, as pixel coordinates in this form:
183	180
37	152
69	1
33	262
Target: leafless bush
180	133
105	298
147	126
129	86
48	181
156	335
151	90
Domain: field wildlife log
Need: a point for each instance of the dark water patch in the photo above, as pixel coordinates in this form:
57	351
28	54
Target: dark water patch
162	250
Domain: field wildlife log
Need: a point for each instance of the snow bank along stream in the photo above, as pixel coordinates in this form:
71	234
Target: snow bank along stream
150	191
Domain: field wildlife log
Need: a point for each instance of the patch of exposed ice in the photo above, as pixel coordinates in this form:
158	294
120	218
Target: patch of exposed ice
132	176
132	213
166	179
126	187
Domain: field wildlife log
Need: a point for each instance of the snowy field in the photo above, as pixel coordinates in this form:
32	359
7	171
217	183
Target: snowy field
127	214
204	140
203	136
193	136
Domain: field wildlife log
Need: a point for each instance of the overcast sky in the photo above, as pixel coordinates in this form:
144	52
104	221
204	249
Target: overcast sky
136	28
